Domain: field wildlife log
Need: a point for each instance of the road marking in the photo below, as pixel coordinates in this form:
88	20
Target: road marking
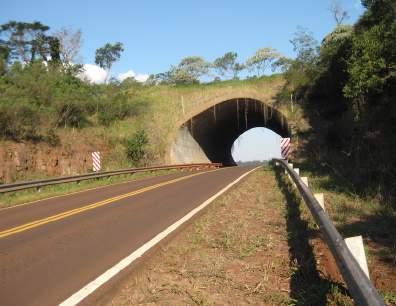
69	213
110	273
132	179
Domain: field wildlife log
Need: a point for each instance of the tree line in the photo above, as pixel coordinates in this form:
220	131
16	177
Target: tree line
347	85
192	69
29	42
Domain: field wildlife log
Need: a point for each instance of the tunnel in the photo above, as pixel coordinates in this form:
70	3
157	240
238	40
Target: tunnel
209	135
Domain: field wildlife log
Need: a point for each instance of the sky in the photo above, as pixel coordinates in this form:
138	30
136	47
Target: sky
157	34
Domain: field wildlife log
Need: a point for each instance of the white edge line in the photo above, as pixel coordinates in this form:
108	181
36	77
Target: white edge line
106	276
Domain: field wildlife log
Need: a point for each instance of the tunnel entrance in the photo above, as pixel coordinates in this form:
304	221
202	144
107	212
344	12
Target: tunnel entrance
256	145
209	135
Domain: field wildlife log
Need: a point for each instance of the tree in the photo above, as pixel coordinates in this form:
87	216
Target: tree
25	40
338	12
54	49
283	64
262	59
4	54
189	70
306	46
159	78
69	44
368	3
46	47
227	64
106	56
237	68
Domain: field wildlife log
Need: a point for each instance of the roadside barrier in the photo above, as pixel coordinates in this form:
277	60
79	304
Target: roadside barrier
361	288
4	188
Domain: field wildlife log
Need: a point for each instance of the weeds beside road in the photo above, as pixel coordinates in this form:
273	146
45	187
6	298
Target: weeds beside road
370	217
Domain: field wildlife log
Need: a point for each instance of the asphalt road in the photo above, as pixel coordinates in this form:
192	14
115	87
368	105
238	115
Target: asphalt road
51	249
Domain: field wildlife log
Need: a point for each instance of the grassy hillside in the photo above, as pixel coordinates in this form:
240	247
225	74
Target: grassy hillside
45	109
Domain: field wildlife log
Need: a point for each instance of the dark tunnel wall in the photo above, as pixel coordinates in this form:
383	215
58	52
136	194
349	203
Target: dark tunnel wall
216	128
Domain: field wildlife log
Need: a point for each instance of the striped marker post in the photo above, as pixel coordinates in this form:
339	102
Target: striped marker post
285	147
96	161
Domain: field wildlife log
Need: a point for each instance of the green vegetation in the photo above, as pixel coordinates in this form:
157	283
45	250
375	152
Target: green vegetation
136	146
47	103
107	55
347	88
192	68
344	86
44	100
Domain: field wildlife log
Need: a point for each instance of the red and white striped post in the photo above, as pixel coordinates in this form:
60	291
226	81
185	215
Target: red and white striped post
96	166
285	146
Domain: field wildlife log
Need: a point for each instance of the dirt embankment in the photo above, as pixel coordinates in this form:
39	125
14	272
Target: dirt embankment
20	161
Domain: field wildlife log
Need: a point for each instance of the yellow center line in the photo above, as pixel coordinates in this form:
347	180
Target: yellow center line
75	211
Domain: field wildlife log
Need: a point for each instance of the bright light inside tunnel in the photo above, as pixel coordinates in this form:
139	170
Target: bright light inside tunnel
257	144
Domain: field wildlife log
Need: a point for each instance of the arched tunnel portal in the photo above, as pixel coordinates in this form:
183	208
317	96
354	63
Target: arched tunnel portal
209	135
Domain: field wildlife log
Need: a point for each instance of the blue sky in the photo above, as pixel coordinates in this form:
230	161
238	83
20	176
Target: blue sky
157	34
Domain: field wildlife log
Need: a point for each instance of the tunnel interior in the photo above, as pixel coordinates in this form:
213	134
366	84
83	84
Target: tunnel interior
213	131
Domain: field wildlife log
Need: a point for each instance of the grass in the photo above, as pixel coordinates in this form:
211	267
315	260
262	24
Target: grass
31	195
355	215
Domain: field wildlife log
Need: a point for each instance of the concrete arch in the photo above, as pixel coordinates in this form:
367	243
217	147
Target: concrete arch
210	131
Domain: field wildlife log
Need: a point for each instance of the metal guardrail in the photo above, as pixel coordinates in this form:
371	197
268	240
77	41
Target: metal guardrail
361	288
4	188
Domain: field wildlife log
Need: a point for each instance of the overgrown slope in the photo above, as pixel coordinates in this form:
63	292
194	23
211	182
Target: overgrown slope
50	120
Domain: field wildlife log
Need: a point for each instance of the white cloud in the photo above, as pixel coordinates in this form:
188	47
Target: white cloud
97	75
141	77
93	74
131	74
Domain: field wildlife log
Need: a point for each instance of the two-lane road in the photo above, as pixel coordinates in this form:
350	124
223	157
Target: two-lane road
51	249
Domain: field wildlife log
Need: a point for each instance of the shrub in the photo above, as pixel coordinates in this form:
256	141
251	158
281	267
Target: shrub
70	114
135	147
117	108
19	122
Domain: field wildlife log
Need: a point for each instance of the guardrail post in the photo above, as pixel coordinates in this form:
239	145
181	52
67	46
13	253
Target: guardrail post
298	173
320	198
355	245
291	166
